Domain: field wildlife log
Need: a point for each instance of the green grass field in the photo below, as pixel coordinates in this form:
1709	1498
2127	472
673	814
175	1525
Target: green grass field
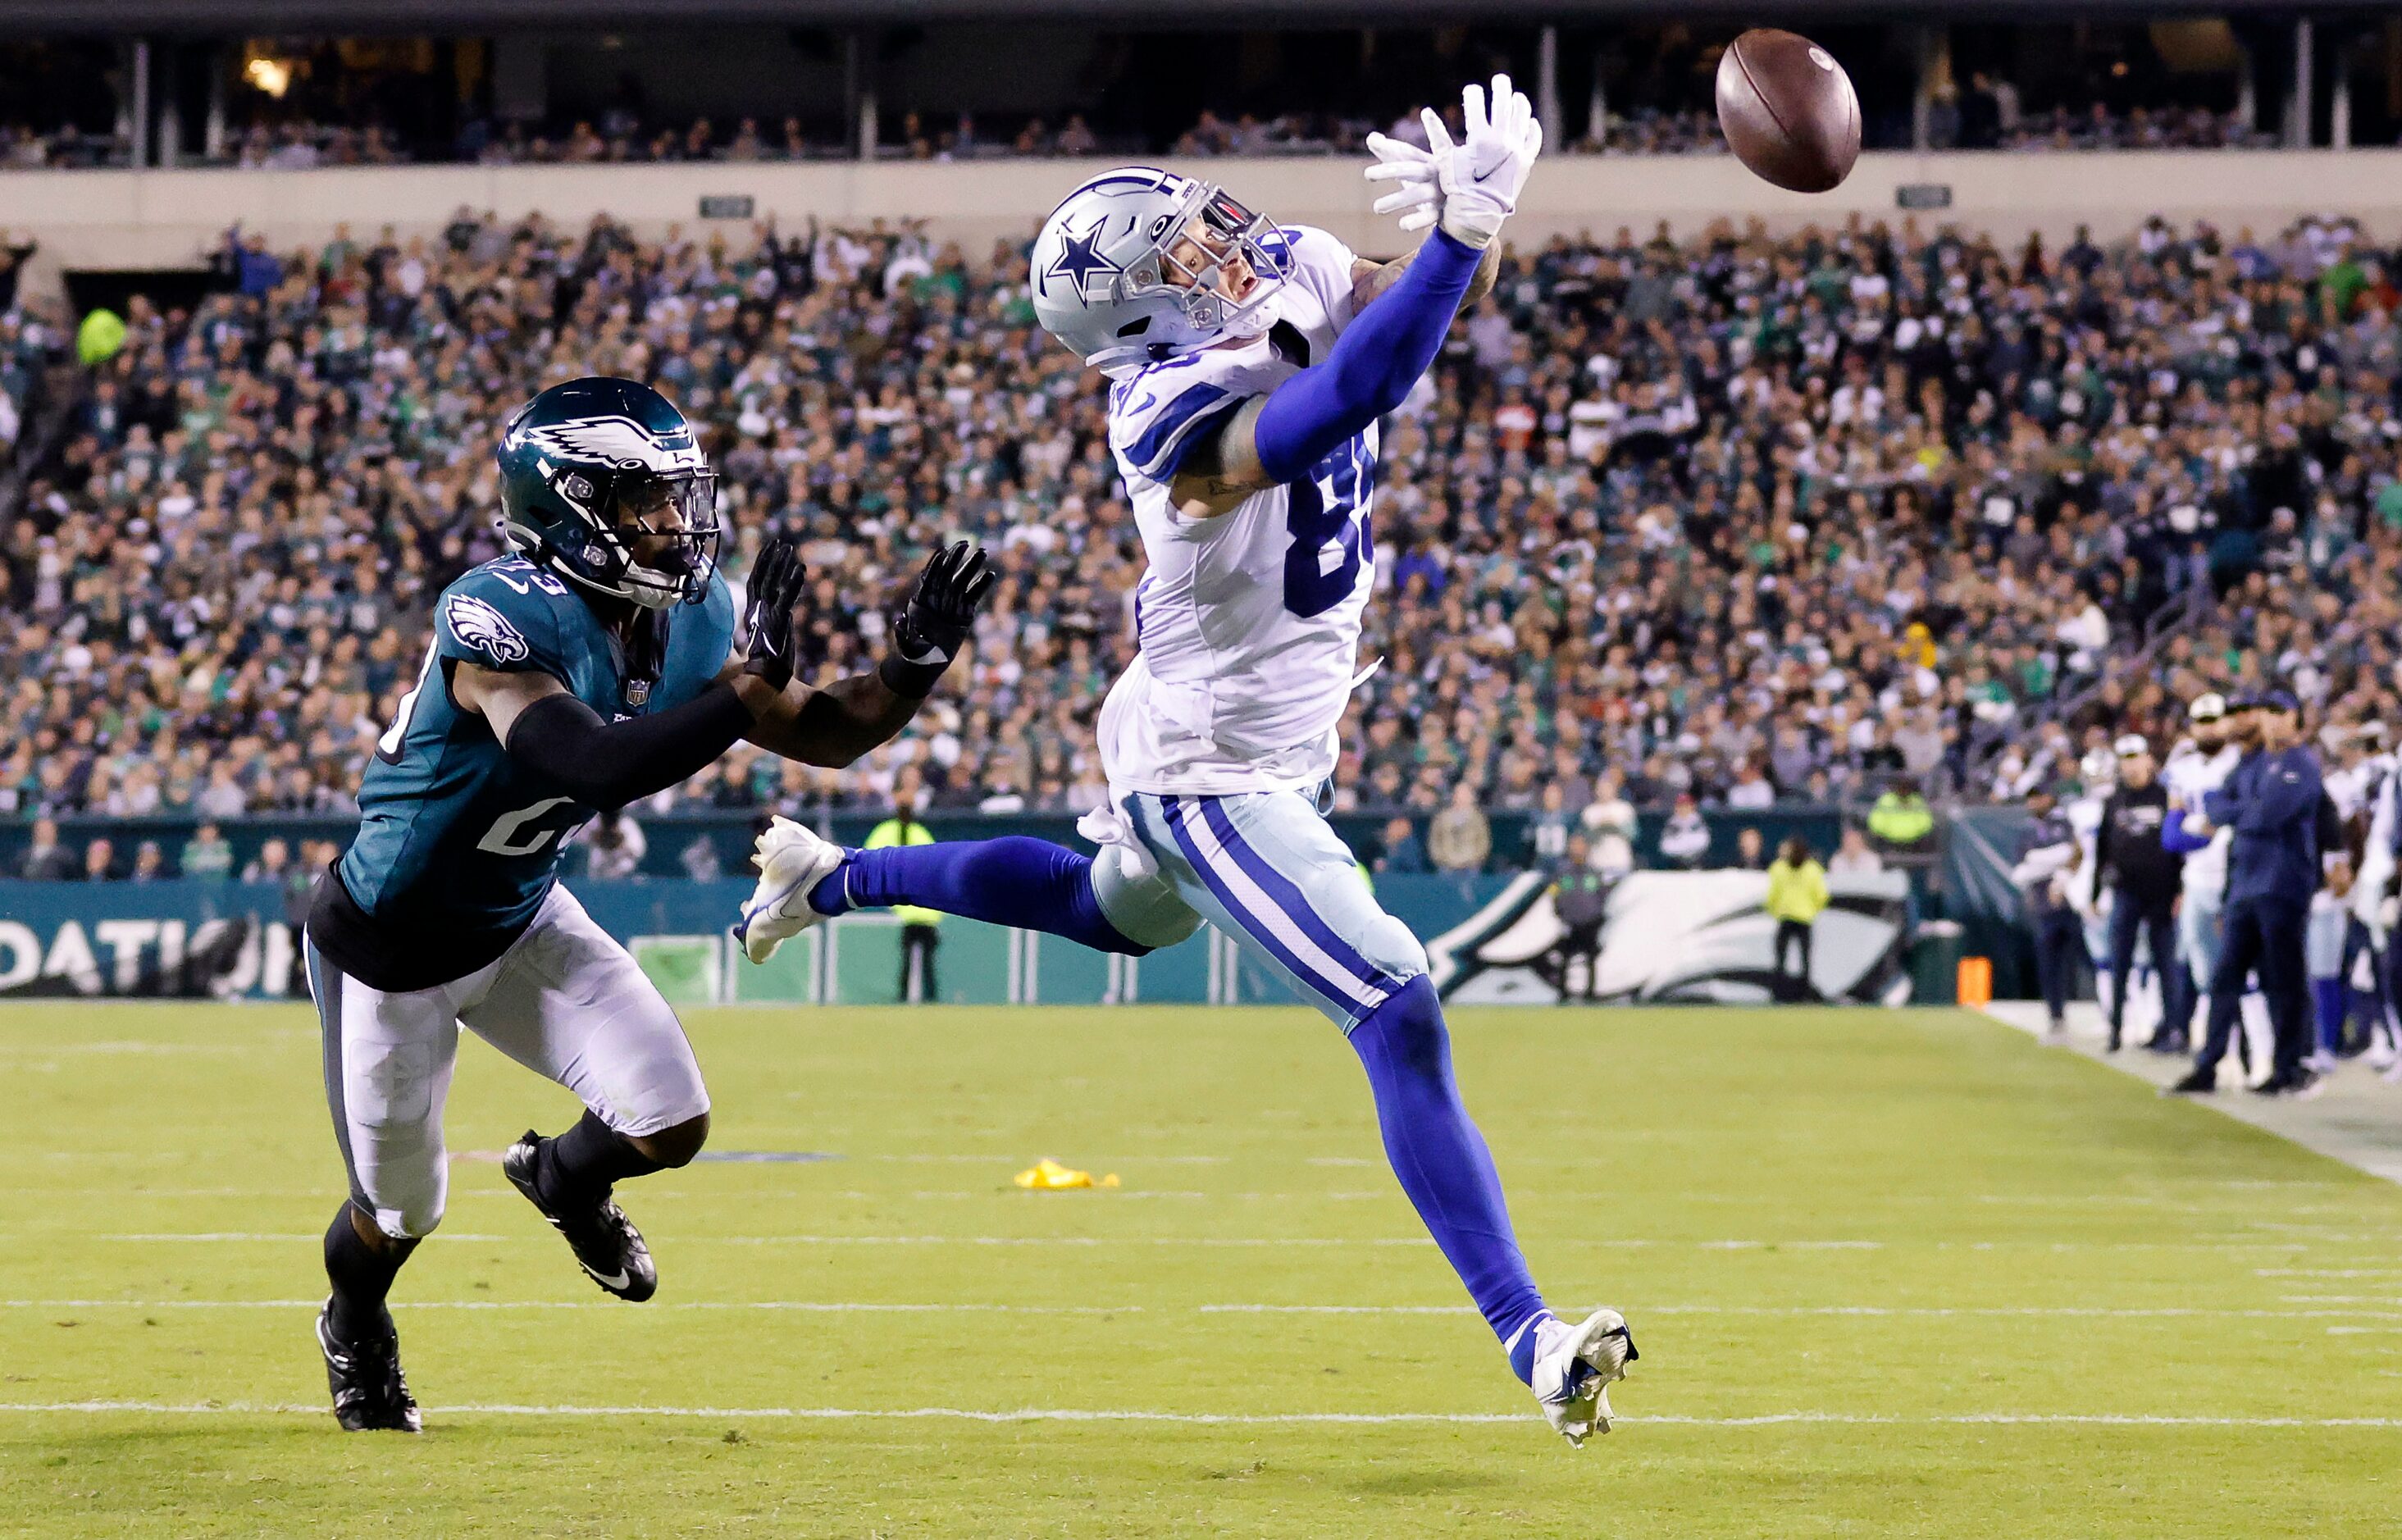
1891	1273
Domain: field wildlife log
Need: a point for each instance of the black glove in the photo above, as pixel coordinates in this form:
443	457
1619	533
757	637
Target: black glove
775	587
935	622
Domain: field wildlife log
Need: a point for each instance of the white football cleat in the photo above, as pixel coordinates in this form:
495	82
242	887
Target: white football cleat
1574	1367
792	861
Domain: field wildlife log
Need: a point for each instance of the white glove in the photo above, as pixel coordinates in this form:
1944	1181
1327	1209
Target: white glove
1471	186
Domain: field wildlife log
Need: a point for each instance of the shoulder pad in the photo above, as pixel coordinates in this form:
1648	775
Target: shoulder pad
1158	414
503	615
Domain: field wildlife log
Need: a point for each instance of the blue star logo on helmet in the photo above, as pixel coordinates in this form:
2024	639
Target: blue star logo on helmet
1080	259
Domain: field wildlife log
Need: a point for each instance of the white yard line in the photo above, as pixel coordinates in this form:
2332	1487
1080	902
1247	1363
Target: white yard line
2207	1243
1204	1419
2389	1310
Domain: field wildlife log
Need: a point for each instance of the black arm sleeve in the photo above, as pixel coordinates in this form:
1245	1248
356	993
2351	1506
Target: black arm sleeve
611	763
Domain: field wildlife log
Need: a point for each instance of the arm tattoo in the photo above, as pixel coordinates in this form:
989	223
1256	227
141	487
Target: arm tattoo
1371	278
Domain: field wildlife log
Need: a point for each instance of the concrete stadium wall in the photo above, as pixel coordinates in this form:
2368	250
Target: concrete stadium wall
129	220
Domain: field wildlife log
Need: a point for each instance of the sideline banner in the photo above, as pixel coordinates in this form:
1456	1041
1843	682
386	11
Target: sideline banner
189	938
1684	936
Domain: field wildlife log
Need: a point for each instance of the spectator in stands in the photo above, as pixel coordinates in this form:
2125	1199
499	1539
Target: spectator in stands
700	861
1402	853
100	860
207	856
1460	839
1610	842
1854	857
272	863
46	858
614	846
1751	790
1685	840
1547	831
1782	509
1750	849
1797	895
149	862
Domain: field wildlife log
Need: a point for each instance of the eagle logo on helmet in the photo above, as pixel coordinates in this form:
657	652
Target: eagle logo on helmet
615	441
483	627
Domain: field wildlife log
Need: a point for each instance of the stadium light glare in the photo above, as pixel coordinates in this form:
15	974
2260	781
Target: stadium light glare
269	75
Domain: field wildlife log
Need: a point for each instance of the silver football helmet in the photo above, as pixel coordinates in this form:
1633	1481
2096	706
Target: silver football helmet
1128	270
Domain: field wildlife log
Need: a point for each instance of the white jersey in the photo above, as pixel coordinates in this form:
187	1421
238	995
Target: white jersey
2084	818
2189	774
2377	860
1248	623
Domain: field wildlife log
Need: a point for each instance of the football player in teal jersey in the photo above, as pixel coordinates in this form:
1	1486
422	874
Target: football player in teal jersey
596	665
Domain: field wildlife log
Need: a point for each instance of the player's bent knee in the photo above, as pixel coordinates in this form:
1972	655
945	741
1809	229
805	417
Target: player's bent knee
675	1146
1146	910
1407	1030
409	1221
1394	948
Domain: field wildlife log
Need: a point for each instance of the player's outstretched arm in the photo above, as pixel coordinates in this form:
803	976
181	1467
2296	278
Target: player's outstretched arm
834	725
1371	278
1274	440
607	765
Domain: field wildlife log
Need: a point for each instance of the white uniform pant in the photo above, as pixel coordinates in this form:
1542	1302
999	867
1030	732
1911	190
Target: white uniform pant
565	1000
1266	870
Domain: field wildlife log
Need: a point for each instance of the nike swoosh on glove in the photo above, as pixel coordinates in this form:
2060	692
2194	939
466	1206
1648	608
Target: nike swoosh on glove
1475	183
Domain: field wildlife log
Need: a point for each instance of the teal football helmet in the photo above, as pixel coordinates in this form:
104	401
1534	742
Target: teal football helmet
604	482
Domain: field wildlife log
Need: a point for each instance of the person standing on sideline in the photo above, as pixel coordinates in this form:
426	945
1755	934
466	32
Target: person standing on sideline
2145	877
2271	803
2327	952
1580	899
2196	767
921	928
1797	895
2047	866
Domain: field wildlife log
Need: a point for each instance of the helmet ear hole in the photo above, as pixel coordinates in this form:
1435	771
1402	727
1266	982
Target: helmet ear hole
1135	328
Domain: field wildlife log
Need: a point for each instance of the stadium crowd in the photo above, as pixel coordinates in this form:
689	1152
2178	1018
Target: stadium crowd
1740	520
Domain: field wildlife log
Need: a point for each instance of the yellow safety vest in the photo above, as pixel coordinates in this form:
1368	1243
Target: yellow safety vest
891	833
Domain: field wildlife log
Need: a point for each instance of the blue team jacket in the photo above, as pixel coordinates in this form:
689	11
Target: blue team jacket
2271	802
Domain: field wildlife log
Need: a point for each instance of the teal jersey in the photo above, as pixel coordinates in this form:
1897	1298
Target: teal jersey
458	844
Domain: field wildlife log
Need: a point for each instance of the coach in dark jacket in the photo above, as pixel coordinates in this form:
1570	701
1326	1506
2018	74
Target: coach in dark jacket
2145	877
2271	803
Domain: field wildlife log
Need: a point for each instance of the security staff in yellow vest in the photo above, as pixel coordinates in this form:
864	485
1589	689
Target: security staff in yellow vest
1901	819
1797	896
919	932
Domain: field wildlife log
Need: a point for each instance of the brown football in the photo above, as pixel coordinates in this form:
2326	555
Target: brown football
1788	111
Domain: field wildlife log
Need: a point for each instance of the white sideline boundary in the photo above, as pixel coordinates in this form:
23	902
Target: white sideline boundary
2358	1122
1208	1419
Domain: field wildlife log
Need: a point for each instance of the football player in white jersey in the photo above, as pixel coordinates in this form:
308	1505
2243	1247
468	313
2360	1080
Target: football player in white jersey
2197	766
1249	365
2097	775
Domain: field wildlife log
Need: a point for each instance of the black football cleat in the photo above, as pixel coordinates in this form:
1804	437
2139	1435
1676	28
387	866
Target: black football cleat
607	1246
2198	1082
371	1393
